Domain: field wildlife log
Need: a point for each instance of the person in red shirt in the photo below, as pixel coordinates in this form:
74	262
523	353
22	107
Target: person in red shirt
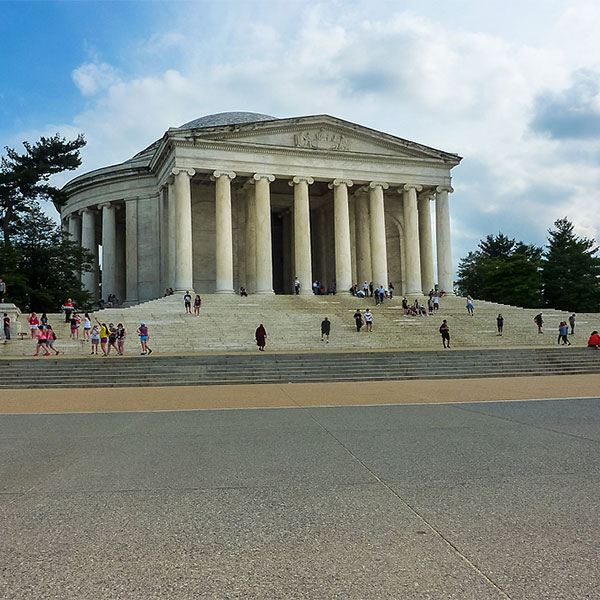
68	306
594	341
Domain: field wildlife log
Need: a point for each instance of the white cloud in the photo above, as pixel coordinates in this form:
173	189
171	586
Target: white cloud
466	91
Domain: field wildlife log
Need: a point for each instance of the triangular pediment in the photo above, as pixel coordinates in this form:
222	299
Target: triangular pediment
319	133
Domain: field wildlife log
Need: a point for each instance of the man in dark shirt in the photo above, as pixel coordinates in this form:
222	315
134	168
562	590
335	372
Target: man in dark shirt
325	329
445	332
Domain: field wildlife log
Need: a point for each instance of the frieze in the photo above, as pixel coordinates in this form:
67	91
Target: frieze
321	140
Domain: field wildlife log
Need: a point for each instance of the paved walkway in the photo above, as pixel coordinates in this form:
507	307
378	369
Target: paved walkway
298	394
485	500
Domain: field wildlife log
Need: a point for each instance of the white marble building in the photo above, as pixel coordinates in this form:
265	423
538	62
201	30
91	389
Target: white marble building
244	199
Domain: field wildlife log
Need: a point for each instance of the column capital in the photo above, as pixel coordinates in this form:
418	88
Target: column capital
177	171
84	210
444	188
380	184
298	178
259	176
428	194
412	186
338	182
217	174
104	205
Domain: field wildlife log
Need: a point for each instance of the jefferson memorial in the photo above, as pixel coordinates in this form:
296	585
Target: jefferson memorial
244	199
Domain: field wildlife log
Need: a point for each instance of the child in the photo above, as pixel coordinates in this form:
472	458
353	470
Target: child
95	339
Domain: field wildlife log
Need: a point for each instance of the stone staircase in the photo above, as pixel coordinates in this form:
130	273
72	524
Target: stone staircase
227	324
295	368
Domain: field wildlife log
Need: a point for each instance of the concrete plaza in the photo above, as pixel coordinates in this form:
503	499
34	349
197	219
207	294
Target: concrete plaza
460	500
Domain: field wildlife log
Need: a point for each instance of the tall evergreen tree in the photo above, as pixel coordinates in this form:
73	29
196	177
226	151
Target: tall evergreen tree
24	178
502	270
571	270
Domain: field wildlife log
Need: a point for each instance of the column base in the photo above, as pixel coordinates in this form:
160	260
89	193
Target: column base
265	292
224	291
414	293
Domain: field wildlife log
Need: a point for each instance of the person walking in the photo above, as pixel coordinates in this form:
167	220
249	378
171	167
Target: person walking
197	305
445	333
436	303
391	290
563	332
121	335
499	324
325	329
297	285
368	320
144	337
50	339
470	307
6	327
187	301
539	321
572	323
41	342
261	337
358	319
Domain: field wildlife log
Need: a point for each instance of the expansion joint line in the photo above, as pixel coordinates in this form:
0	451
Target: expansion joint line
414	511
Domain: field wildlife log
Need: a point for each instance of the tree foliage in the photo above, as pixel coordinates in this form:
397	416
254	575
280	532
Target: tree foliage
502	270
24	178
571	270
39	262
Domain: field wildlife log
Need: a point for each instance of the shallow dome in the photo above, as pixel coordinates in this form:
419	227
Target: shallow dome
227	118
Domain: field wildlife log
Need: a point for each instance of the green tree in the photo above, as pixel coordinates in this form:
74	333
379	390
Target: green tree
42	264
502	270
24	178
571	270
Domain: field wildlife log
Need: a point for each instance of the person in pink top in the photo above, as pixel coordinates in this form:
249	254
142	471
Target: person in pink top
33	325
42	342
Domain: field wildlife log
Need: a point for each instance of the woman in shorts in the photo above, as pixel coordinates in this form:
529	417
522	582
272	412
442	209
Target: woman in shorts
103	336
197	305
95	334
50	339
41	342
144	337
34	323
87	327
121	335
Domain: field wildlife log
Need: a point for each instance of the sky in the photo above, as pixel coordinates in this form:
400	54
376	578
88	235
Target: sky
513	87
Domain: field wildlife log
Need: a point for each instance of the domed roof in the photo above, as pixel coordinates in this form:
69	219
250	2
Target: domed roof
227	118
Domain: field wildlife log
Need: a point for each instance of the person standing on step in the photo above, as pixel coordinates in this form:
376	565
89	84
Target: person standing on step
42	342
6	327
112	338
368	320
187	301
436	303
391	290
34	323
371	288
68	306
499	324
445	333
539	321
144	337
103	336
572	323
2	290
297	285
261	337
121	335
358	319
325	329
197	305
87	327
95	336
366	289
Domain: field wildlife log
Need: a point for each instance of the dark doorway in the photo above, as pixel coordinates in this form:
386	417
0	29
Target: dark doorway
277	250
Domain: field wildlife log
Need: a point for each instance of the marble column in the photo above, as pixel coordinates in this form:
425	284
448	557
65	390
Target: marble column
264	262
250	283
411	240
88	241
131	250
341	217
172	235
109	249
379	265
74	228
302	251
443	241
224	232
184	273
425	241
363	238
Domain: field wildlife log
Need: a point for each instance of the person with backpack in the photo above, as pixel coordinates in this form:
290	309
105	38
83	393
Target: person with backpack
50	339
144	337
